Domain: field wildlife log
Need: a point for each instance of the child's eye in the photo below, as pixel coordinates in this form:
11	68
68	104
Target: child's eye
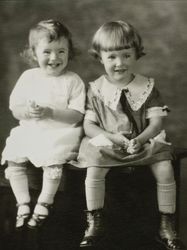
126	55
61	52
111	57
46	52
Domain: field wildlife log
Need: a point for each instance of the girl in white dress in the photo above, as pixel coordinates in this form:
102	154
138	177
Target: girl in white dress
49	103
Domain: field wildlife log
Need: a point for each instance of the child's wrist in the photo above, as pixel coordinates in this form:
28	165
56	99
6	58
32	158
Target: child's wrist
110	136
56	114
49	112
139	141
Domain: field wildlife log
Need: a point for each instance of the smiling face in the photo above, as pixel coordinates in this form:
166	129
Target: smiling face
118	64
52	57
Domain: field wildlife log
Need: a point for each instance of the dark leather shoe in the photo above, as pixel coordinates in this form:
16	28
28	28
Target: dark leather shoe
171	244
167	234
95	229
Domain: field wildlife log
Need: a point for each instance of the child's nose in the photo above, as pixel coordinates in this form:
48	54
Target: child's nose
119	61
53	56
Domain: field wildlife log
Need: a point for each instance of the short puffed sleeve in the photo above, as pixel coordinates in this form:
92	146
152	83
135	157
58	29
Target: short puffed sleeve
90	114
77	95
155	105
19	95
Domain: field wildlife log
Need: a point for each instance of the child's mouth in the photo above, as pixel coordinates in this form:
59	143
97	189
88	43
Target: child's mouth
54	65
120	71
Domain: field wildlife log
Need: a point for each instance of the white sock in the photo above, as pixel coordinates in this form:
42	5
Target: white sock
166	197
95	193
19	183
49	189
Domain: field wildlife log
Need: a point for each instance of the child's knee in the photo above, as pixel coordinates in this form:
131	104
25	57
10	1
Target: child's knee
53	172
163	171
15	169
96	173
94	182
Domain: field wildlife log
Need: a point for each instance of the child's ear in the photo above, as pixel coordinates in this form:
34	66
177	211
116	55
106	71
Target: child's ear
100	60
34	55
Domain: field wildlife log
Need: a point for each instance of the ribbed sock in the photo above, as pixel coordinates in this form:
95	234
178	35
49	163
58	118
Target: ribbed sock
95	193
166	197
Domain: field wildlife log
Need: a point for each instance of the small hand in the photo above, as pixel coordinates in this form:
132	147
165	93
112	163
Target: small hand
134	146
34	110
120	140
38	112
46	112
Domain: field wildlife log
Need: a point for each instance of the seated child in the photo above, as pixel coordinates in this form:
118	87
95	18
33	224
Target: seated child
124	127
49	103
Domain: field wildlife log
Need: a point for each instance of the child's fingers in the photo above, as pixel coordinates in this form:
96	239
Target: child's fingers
133	142
125	142
34	105
125	132
136	147
36	112
34	115
132	150
36	109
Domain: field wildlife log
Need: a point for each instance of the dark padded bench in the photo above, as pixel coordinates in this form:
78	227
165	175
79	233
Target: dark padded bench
131	211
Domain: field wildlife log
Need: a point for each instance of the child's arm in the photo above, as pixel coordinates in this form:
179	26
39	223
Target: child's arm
92	130
153	129
70	116
27	111
20	112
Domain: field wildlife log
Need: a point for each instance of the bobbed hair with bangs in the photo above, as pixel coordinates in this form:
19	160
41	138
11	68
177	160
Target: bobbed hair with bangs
52	30
116	35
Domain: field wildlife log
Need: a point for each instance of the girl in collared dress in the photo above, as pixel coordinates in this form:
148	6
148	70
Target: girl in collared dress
124	127
49	103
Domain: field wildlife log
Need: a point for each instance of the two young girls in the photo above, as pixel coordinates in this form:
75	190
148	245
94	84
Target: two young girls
124	127
49	103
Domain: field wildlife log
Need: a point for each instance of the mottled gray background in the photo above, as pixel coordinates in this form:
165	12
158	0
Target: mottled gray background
162	24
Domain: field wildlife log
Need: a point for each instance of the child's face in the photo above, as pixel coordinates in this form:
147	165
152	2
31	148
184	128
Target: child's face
118	63
52	57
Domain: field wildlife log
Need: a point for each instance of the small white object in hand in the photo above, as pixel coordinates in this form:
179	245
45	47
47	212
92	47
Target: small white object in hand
130	148
33	104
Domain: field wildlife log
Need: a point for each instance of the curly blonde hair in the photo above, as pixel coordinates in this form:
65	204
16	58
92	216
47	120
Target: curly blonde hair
52	30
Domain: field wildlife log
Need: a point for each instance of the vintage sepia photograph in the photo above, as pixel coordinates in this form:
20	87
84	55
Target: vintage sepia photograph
93	125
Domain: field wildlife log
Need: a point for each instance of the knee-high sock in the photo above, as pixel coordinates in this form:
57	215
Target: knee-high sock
95	193
50	184
19	183
166	197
